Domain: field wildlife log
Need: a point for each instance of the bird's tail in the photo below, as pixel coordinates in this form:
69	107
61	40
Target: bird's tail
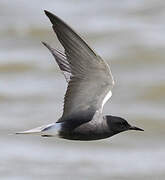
46	130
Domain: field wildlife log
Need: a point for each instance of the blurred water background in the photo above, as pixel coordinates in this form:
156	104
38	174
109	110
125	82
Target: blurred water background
130	35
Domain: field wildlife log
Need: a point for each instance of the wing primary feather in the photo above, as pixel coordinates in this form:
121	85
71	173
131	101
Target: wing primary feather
59	57
61	61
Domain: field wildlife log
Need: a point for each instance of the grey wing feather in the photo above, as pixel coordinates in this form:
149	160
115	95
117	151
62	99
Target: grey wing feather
61	61
91	77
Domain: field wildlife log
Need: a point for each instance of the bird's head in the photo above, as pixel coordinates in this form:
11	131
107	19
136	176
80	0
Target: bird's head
118	124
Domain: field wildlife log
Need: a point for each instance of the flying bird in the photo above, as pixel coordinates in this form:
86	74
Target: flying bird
90	84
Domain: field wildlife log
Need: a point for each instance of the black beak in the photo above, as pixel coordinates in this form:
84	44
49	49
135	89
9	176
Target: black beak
135	128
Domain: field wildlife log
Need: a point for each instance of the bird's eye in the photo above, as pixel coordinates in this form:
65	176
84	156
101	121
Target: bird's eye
122	125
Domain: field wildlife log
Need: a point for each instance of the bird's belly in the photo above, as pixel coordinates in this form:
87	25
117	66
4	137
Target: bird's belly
85	132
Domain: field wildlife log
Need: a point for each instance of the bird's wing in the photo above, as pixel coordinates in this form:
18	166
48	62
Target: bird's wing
91	81
61	61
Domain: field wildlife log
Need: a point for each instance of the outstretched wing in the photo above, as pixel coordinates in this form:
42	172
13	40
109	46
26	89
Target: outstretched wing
61	61
91	79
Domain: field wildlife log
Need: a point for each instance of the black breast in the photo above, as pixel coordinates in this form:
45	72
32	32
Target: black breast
86	131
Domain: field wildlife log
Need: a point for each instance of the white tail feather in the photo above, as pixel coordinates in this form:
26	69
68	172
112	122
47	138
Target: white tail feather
50	129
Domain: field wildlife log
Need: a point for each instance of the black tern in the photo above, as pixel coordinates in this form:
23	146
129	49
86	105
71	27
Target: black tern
90	82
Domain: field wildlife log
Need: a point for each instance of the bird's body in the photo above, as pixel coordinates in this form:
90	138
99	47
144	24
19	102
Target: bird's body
95	129
90	84
92	130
